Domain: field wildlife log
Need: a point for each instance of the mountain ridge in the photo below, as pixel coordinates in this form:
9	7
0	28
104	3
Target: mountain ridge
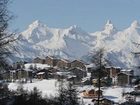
75	43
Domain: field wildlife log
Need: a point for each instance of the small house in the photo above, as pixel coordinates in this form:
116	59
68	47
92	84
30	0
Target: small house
42	74
39	60
79	73
51	60
61	75
124	79
92	93
78	64
113	71
63	63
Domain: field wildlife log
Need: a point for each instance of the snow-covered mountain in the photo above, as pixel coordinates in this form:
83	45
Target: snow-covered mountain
75	43
40	40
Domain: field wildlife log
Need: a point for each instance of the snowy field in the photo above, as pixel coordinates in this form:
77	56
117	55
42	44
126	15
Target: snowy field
115	93
50	88
47	87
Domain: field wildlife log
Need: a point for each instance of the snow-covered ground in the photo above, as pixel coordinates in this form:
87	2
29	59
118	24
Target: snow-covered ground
50	87
115	93
47	87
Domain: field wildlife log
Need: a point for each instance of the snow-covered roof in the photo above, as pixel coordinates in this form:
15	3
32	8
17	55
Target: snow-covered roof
116	67
90	65
126	70
38	65
71	76
40	73
12	71
27	69
62	73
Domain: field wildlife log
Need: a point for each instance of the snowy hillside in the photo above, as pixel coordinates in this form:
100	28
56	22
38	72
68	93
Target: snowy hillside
74	43
39	40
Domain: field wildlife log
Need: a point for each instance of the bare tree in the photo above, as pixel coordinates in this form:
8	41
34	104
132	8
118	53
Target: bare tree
99	61
6	38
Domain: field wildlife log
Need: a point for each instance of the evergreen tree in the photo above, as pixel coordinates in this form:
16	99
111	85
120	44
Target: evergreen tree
29	98
72	95
67	95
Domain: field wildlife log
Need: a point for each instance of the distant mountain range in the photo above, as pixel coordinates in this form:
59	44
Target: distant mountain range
38	40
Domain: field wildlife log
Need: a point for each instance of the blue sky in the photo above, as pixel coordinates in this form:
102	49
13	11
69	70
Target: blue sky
90	15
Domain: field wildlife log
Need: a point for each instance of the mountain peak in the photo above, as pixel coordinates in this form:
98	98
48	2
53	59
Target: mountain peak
108	22
109	27
37	23
74	27
135	24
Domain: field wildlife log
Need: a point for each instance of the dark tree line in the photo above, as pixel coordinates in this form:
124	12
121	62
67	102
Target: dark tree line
67	95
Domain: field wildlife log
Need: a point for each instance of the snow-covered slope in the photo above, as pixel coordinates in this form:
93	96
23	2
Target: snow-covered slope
40	40
119	46
74	42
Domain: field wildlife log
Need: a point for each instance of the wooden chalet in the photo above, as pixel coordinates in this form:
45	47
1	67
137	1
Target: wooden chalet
61	75
42	74
79	73
39	60
91	93
112	71
124	79
78	64
63	63
51	60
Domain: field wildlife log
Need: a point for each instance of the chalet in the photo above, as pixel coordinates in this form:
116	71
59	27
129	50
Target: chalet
86	81
128	71
78	64
39	60
61	75
92	93
90	67
51	60
63	63
113	71
73	79
53	70
42	74
124	79
79	73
